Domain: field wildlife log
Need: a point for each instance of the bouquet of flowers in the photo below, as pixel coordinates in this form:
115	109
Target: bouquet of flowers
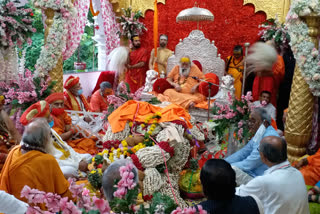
233	114
130	24
26	90
15	24
273	30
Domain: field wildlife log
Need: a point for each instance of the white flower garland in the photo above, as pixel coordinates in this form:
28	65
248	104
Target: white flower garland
56	40
304	51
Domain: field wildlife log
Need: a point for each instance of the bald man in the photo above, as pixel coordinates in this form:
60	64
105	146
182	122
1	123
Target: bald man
281	189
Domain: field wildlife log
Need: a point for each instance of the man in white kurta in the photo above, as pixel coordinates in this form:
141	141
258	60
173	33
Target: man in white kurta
281	189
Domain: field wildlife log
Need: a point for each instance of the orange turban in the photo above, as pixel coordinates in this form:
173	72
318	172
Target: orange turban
70	82
54	97
39	109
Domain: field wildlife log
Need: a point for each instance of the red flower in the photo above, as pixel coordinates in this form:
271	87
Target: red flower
136	162
147	197
97	27
166	147
31	14
99	166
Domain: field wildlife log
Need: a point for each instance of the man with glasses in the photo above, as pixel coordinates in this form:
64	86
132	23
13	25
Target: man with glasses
247	162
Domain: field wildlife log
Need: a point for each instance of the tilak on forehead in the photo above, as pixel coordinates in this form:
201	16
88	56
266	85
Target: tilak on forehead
136	38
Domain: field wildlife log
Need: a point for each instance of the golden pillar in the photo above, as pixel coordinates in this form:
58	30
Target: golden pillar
299	121
56	74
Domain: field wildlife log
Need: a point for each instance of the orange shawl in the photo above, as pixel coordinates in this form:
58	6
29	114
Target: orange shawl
71	103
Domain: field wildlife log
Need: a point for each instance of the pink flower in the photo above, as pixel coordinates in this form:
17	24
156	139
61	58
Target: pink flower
102	205
240	124
264	103
85	192
34	30
25	191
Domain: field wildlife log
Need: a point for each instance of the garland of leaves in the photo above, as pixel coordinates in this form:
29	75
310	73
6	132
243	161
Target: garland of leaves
304	51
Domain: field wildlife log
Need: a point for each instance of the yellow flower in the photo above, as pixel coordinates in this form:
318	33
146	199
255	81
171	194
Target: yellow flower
153	126
93	172
106	151
100	154
158	114
125	153
149	132
92	160
125	149
142	125
99	171
110	155
118	150
130	124
112	149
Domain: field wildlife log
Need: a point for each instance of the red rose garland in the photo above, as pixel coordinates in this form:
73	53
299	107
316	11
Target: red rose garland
166	147
136	162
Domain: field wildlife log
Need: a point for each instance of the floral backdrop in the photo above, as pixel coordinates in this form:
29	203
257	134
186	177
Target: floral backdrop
233	23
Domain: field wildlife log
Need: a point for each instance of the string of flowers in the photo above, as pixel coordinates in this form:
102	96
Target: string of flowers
56	39
15	24
304	51
130	24
233	114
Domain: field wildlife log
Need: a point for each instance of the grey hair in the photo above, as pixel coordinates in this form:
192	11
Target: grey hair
263	114
262	56
105	85
36	135
112	174
273	153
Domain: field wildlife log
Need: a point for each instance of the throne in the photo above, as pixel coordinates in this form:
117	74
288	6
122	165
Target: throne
199	48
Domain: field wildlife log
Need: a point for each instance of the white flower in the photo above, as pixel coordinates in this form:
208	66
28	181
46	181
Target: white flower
316	77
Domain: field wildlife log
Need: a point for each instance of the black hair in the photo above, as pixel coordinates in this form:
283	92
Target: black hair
133	37
238	48
273	153
218	180
265	92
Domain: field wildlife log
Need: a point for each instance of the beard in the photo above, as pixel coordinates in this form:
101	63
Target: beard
184	71
57	111
163	45
137	46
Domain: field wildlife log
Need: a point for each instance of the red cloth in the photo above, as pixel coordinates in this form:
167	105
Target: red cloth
204	87
160	85
98	103
54	97
198	64
136	77
104	76
70	82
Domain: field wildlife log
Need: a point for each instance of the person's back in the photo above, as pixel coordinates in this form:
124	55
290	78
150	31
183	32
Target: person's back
237	205
218	181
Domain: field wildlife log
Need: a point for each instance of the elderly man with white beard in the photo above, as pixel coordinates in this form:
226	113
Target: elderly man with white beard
184	80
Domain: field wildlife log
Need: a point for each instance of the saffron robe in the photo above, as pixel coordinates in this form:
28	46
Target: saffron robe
235	70
311	172
183	98
269	83
71	102
163	55
98	103
35	169
136	77
81	145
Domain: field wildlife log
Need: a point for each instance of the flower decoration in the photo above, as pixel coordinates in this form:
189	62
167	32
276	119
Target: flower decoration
56	40
130	24
273	30
304	51
95	178
233	114
15	24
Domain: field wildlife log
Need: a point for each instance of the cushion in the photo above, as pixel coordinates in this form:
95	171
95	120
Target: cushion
198	64
204	87
160	85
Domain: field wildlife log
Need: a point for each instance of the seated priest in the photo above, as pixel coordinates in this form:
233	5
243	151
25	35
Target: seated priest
72	164
74	99
185	81
98	101
9	135
31	164
247	161
63	126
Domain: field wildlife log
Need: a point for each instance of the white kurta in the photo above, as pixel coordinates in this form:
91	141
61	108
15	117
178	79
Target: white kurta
10	205
281	190
269	108
66	157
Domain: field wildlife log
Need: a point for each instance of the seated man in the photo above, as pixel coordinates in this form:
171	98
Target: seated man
247	162
30	164
218	181
74	99
281	189
9	135
99	102
62	125
184	78
264	102
69	161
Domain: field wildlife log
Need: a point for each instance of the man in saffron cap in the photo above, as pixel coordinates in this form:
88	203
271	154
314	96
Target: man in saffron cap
99	101
137	66
63	126
185	81
31	164
74	99
69	161
9	135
